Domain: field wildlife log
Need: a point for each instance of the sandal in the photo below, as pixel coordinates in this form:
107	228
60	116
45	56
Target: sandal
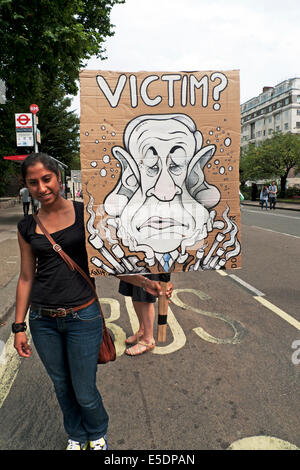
138	349
134	339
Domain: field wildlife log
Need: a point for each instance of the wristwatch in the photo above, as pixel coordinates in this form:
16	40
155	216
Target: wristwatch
18	327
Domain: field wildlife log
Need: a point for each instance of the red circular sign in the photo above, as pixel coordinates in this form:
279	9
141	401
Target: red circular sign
34	108
23	119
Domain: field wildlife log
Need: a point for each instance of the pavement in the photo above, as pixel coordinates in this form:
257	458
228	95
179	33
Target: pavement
279	205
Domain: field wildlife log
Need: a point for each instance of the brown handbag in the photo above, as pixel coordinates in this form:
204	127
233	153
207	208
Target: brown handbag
107	350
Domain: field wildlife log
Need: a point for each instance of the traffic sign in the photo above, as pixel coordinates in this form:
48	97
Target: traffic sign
23	120
25	139
34	108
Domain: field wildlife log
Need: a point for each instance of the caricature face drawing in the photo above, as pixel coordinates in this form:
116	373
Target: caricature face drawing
162	199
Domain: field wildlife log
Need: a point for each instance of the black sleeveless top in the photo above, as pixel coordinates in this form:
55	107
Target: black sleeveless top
55	285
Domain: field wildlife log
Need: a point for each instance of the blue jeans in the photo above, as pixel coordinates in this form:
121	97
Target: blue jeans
264	202
68	348
272	202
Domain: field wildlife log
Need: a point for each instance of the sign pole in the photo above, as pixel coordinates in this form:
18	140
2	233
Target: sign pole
163	304
36	148
34	109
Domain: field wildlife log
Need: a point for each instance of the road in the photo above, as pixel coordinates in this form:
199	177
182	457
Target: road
227	376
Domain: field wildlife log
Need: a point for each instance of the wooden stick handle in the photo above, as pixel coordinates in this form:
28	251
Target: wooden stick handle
162	313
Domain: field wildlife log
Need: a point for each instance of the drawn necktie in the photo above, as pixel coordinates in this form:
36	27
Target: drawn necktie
166	258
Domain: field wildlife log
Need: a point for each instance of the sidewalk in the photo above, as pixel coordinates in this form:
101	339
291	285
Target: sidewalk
279	205
6	202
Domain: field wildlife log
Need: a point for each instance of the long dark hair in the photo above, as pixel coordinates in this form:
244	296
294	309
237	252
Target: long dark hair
44	158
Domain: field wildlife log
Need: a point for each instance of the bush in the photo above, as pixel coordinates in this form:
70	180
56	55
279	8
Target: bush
246	191
294	191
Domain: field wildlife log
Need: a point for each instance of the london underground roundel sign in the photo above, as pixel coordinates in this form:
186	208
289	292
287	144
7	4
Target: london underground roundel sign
23	120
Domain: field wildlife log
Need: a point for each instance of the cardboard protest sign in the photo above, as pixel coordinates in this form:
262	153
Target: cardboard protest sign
160	170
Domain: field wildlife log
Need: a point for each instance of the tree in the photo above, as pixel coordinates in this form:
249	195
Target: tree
44	44
51	39
272	159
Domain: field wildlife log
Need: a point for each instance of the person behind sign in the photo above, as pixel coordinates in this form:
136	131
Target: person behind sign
143	303
64	318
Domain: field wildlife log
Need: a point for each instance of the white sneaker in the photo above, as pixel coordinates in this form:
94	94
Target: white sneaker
99	444
75	445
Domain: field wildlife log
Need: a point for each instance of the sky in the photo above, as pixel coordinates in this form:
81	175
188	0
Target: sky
258	37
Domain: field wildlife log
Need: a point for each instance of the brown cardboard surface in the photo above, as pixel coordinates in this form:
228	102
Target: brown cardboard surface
160	170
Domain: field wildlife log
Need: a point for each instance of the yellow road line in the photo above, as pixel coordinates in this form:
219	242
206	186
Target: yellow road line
221	272
285	316
9	367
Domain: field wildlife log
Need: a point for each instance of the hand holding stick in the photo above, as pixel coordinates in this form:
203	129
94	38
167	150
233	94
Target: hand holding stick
163	302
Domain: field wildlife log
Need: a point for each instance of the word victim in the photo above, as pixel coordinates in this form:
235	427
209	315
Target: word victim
216	82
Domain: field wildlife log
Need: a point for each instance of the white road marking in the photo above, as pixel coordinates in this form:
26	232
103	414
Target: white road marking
285	316
245	284
274	231
240	281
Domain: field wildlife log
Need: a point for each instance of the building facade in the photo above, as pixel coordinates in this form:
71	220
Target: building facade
276	109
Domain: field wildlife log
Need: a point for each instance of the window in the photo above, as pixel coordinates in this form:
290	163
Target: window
278	128
270	131
297	125
277	117
253	130
270	119
298	112
298	98
286	126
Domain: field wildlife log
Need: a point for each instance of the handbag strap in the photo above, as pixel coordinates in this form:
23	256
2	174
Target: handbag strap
71	263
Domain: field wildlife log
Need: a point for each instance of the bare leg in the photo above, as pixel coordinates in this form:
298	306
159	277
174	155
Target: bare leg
146	314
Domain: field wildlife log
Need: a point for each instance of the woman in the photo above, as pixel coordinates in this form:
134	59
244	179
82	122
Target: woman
64	318
264	197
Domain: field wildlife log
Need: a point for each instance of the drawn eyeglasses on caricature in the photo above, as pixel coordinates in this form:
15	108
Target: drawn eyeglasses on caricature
161	204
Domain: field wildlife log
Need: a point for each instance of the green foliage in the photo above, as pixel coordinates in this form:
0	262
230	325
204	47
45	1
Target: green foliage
272	159
52	38
44	44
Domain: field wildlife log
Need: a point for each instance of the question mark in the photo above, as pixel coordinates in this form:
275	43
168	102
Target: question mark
218	88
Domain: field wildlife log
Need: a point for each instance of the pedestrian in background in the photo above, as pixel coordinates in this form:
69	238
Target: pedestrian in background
35	205
25	196
264	197
272	195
